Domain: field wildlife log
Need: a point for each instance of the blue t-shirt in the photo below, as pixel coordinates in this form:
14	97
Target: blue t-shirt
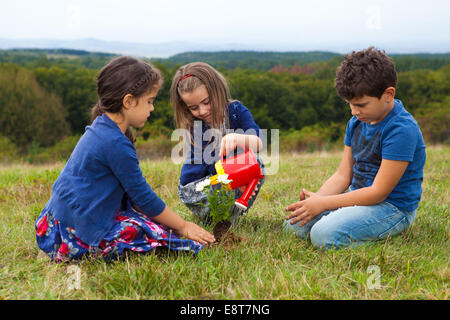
199	162
102	172
396	137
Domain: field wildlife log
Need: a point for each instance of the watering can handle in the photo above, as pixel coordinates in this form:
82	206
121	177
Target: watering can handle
242	202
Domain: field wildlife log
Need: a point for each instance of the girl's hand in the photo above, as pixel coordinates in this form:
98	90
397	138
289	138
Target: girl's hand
305	209
229	143
194	232
242	189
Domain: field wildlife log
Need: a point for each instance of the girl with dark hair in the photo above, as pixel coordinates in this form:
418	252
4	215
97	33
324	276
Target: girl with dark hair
101	204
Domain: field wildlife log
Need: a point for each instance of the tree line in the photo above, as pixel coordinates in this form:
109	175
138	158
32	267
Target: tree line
47	97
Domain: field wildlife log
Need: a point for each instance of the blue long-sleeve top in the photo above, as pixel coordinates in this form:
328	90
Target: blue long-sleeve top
102	171
198	164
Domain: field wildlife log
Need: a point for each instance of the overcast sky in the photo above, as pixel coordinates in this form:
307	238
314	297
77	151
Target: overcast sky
408	24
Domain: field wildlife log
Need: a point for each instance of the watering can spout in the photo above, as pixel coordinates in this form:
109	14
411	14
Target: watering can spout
244	170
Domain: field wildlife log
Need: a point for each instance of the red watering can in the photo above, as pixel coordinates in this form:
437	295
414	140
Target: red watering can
244	170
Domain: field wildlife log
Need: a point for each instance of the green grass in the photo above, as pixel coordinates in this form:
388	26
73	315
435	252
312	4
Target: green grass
269	265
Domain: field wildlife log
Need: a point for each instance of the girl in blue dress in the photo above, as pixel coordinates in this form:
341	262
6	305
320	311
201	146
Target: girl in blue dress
101	204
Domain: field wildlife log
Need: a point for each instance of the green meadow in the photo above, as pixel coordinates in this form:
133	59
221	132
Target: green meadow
268	264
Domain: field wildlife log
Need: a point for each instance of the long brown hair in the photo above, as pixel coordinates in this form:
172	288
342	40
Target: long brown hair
188	78
121	76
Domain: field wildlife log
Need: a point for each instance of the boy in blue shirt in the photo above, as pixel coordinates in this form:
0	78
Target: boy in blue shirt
382	163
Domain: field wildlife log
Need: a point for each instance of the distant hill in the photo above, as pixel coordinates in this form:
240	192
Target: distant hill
60	51
408	62
219	59
44	57
260	60
267	60
139	49
149	49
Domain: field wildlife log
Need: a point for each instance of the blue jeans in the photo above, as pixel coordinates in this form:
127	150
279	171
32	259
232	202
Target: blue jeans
353	225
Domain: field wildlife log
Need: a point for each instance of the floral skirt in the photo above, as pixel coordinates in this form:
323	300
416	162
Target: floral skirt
131	231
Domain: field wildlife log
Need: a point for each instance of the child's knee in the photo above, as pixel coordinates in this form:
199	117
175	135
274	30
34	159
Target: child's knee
320	237
295	228
325	236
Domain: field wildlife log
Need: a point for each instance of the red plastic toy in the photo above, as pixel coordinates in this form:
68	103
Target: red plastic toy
244	170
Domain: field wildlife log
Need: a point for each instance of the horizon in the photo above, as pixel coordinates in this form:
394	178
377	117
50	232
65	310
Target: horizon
193	51
123	47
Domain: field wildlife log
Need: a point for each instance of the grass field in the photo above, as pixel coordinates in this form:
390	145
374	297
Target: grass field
269	265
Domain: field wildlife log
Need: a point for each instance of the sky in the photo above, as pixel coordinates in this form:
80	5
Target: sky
399	25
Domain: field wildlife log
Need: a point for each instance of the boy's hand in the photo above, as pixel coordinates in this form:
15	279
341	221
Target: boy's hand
302	195
194	232
305	209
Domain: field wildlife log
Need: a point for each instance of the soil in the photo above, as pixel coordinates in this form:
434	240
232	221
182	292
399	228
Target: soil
224	236
220	229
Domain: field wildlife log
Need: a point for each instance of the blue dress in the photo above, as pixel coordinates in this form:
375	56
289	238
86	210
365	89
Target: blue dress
131	231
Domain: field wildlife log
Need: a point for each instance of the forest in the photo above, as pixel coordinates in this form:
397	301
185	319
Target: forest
46	96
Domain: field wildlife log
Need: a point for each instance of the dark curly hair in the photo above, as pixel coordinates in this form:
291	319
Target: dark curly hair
367	72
